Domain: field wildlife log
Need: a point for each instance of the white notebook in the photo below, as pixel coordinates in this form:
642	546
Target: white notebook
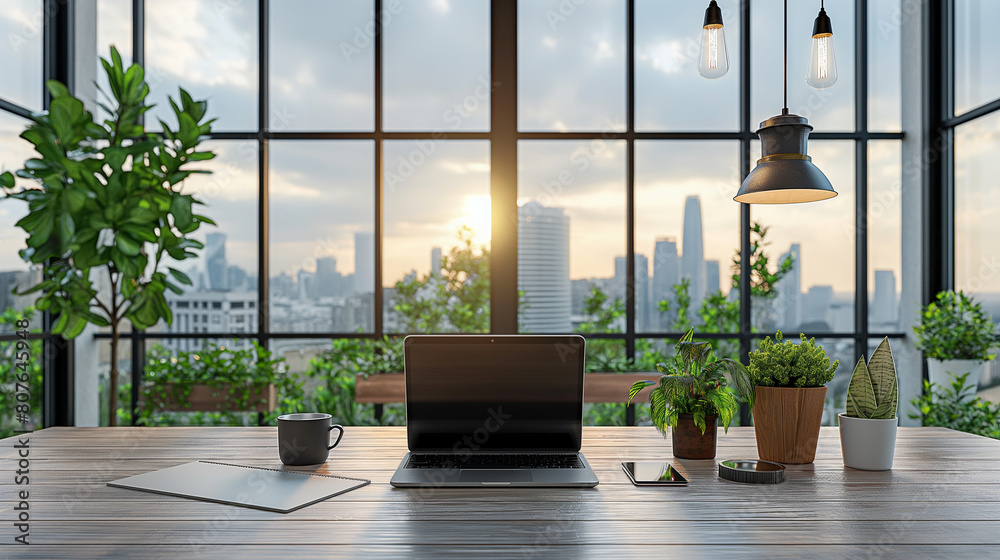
256	487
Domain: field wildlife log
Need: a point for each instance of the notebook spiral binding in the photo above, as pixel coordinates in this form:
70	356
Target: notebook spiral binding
283	471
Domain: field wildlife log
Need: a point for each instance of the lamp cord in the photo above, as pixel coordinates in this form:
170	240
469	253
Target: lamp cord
784	111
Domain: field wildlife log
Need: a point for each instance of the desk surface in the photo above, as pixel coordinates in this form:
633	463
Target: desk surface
942	498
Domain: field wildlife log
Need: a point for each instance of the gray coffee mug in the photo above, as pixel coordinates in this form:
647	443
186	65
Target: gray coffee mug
303	438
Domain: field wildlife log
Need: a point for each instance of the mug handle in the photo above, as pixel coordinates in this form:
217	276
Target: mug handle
339	436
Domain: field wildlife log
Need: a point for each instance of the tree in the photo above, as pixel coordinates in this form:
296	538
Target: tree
763	282
453	299
107	200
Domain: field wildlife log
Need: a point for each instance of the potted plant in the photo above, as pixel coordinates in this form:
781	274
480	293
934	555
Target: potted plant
693	395
790	384
956	336
215	378
868	428
107	201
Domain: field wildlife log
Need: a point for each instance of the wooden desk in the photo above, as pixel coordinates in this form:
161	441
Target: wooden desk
942	499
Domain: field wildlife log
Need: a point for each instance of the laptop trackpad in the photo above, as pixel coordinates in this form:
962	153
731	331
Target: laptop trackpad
496	476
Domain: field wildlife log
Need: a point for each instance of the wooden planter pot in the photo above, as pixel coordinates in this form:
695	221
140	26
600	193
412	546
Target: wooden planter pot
223	398
786	421
687	440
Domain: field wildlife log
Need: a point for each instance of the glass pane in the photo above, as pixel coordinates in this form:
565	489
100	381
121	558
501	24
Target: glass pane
208	49
571	65
842	349
21	23
224	295
437	216
571	228
322	218
14	151
688	224
827	109
885	234
977	215
437	65
884	66
817	292
114	28
976	45
322	65
668	85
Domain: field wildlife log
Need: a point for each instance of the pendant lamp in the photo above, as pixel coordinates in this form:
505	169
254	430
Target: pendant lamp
785	173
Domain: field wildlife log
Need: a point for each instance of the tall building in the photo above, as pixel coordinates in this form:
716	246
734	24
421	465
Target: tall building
327	278
364	262
816	306
641	288
789	300
666	273
236	278
884	303
712	284
543	268
215	262
693	255
435	261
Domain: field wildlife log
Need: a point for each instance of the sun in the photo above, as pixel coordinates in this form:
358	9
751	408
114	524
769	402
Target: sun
477	214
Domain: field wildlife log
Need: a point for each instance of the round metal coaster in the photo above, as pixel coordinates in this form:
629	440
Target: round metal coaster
752	471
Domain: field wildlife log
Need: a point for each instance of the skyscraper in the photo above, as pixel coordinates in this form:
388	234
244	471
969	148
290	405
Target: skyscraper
543	268
884	305
327	277
693	256
364	262
789	300
215	262
435	261
666	273
641	288
712	284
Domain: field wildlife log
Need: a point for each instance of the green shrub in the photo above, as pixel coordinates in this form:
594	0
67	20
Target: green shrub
955	327
786	364
951	407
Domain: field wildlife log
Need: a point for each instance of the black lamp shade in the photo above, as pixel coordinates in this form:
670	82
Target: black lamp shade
785	173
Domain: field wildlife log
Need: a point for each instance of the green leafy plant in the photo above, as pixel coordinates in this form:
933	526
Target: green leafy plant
695	383
786	364
955	327
763	282
242	372
950	407
337	369
108	201
17	358
874	389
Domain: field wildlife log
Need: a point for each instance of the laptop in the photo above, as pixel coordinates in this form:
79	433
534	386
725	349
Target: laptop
494	410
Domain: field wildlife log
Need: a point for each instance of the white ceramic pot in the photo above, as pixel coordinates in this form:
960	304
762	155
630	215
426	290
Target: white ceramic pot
942	372
868	444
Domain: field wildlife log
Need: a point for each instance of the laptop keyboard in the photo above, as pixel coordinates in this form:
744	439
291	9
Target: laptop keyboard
495	461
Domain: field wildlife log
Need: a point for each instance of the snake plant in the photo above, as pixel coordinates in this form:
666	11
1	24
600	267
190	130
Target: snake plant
874	389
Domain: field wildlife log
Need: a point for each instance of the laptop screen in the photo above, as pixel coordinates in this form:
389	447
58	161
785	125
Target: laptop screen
474	393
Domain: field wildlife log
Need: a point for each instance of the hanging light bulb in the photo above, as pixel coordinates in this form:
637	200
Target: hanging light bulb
823	62
714	59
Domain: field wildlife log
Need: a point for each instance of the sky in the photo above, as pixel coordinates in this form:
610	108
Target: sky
571	77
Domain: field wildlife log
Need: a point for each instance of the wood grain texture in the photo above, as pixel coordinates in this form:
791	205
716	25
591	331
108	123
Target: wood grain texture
386	388
787	422
942	499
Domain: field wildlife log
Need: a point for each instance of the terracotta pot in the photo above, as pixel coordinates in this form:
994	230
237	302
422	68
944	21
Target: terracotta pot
786	421
687	440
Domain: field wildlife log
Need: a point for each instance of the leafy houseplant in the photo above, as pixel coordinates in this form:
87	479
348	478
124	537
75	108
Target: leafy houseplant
108	201
693	394
868	428
956	336
949	407
789	381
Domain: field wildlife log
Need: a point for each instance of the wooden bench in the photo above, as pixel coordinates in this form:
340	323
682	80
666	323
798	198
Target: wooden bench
388	388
